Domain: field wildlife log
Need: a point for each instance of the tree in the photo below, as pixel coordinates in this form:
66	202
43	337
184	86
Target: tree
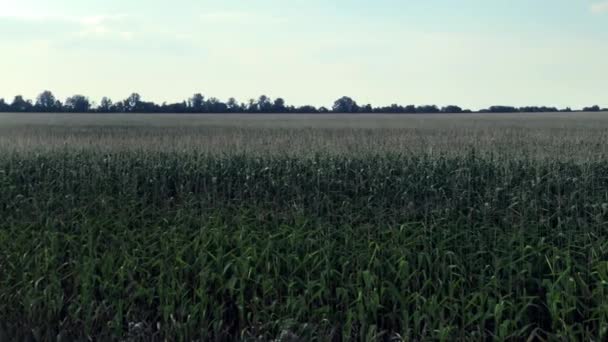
151	107
179	107
306	109
197	103
345	105
278	106
132	103
410	109
535	109
58	106
500	109
264	105
4	107
592	109
78	104
427	109
233	105
394	108
21	105
451	109
251	107
46	101
216	106
105	106
119	107
366	109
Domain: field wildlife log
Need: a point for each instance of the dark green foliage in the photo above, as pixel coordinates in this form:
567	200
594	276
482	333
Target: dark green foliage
143	245
46	102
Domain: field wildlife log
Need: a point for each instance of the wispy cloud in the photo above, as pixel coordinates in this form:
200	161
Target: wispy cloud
599	7
98	19
84	26
239	17
102	26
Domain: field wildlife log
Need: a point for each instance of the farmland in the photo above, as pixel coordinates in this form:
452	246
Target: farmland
570	136
308	227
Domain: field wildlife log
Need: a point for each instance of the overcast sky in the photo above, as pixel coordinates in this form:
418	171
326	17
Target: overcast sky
473	53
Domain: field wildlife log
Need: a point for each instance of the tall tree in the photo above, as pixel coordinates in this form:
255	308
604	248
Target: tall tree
233	105
366	108
133	102
46	101
214	105
78	104
4	107
345	105
197	103
264	105
252	106
278	106
19	104
105	106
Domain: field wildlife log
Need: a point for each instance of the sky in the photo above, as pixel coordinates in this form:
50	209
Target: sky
472	53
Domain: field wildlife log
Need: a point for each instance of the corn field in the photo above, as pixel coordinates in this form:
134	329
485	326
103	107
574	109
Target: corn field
153	245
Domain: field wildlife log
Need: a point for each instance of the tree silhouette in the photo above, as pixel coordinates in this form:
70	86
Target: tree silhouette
77	104
427	109
4	107
105	106
534	109
21	105
133	102
345	105
366	108
305	109
46	102
233	106
252	106
264	105
278	106
451	109
214	105
197	103
500	109
595	108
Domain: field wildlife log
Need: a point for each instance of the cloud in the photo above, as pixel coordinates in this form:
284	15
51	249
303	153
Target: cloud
102	26
80	26
98	19
237	17
599	7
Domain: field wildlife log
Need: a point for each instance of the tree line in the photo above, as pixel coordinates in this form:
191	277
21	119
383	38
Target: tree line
47	102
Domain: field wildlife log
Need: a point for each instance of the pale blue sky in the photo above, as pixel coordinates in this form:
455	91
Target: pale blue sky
473	53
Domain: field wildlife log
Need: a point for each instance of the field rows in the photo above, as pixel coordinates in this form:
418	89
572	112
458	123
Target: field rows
148	245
